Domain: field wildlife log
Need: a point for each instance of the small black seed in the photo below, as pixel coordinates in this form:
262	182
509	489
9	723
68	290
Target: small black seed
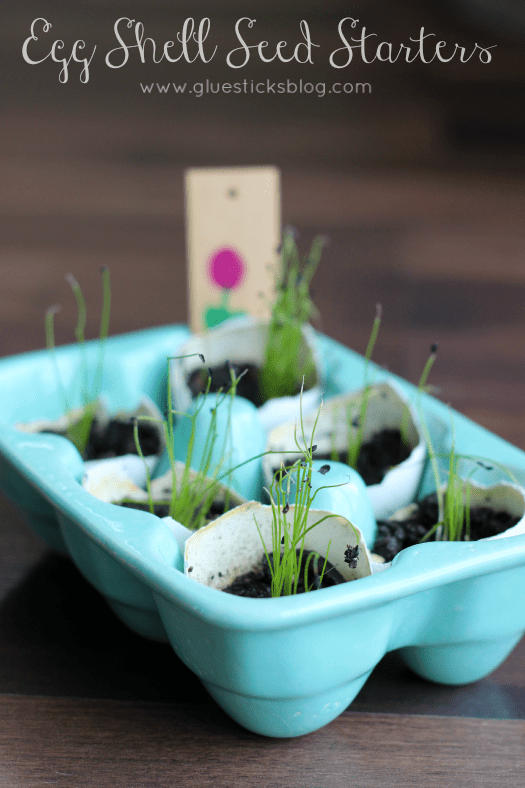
351	555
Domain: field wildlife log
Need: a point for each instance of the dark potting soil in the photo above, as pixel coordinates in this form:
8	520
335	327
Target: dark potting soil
257	584
116	439
392	537
248	386
383	451
163	509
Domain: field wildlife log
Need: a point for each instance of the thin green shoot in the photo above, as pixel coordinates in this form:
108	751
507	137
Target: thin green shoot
195	489
288	538
286	360
454	498
421	387
80	333
79	432
314	556
488	464
142	457
193	495
453	506
355	441
456	503
51	346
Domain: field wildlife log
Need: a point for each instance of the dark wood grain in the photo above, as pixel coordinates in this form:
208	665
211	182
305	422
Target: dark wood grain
76	742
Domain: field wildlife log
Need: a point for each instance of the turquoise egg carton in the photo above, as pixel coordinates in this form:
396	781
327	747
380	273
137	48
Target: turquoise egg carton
280	667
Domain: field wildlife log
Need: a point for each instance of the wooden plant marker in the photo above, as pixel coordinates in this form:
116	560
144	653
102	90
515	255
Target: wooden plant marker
233	231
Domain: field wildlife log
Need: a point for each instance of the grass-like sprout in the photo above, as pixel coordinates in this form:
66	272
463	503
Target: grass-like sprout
288	538
454	501
421	387
193	495
453	506
194	490
285	363
79	432
51	346
357	423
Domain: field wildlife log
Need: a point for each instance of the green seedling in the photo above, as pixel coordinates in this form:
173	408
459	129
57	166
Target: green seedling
288	538
78	433
193	492
422	387
355	443
193	495
356	424
51	346
453	505
285	363
454	502
196	488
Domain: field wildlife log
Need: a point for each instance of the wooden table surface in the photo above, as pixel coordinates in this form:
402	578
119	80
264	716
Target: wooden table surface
424	216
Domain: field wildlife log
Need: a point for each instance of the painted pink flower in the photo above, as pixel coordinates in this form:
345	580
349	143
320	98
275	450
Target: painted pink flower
226	268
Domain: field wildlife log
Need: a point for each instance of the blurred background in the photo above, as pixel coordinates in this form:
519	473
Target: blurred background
419	184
